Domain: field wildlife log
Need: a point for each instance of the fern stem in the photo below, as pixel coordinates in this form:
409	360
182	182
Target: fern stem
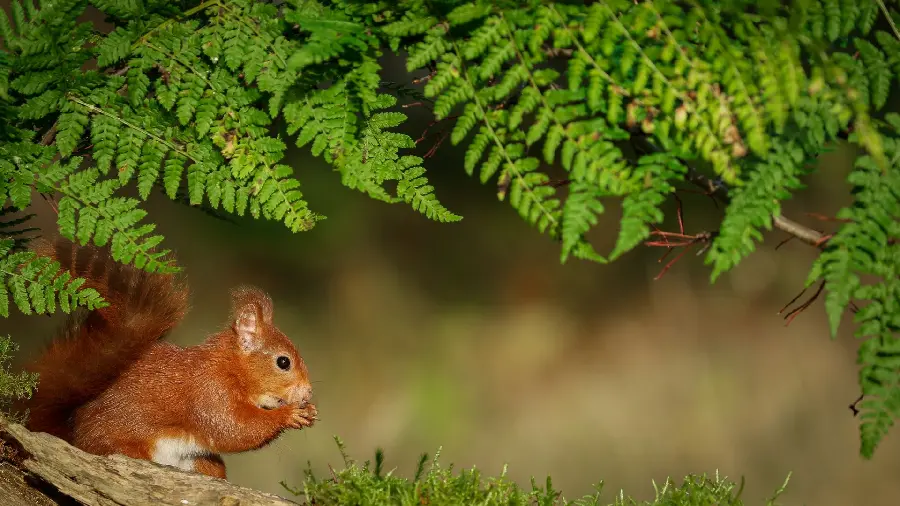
737	70
681	50
42	177
890	19
299	219
528	69
681	94
94	108
867	137
500	145
639	49
188	13
27	282
183	63
584	52
255	29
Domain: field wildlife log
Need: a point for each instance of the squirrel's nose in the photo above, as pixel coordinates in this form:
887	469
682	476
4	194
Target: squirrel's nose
302	395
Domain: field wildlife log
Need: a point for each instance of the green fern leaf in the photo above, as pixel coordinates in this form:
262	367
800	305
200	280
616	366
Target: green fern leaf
579	215
189	97
138	85
71	126
174	168
277	197
104	136
33	83
117	45
415	190
123	9
40	106
867	16
35	284
128	153
641	208
150	162
753	205
880	381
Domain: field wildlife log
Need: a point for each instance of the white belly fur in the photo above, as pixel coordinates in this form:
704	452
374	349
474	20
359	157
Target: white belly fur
179	452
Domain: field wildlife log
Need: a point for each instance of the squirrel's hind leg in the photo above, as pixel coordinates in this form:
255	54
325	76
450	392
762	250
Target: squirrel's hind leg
210	465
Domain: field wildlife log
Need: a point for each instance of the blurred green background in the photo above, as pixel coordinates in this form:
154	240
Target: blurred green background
472	337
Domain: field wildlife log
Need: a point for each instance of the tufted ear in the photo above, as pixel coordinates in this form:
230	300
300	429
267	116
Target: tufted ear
251	311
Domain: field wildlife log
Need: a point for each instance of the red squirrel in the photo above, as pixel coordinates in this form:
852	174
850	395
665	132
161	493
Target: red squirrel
109	385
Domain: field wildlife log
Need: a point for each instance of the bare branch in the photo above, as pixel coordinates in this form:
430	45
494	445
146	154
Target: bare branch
804	233
719	191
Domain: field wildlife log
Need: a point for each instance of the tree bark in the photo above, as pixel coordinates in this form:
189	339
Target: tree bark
37	469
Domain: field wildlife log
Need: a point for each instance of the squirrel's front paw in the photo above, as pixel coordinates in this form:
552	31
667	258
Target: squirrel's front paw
304	416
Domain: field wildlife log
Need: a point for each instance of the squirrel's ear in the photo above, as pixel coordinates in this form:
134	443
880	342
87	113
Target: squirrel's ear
251	309
246	326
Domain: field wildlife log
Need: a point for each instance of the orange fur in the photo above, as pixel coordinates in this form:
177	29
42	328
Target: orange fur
110	386
211	465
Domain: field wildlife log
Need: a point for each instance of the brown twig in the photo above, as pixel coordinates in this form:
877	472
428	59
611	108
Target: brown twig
785	241
557	183
334	475
687	242
433	150
48	137
420	80
51	202
679	212
854	405
431	124
441	136
802	307
795	230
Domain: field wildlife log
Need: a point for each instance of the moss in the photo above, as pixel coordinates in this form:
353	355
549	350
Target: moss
439	486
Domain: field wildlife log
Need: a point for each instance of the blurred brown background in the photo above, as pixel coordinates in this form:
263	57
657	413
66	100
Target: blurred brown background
473	337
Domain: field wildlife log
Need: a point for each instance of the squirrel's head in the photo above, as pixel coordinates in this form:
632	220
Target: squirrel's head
275	371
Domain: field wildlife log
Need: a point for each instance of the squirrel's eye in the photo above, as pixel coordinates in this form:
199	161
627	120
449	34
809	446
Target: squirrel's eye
283	362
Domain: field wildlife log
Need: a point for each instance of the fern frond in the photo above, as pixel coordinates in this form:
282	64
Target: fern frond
754	204
124	9
275	196
37	285
415	190
88	211
868	244
117	45
580	215
71	126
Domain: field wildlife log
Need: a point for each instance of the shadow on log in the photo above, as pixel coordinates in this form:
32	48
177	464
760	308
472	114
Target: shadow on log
37	469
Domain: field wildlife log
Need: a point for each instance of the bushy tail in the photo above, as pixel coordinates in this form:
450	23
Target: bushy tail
96	347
